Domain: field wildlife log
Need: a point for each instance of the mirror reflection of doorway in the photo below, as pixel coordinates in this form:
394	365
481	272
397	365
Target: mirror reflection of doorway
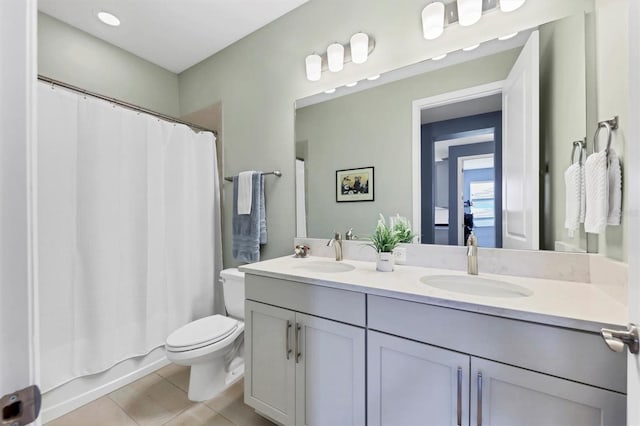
461	174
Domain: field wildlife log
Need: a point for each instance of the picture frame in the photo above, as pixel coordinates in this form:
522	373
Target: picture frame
355	185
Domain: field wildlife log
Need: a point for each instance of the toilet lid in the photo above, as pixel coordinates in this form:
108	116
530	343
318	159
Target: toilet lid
203	331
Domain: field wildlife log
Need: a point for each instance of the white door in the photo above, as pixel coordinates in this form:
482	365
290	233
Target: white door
330	373
17	140
632	213
520	151
505	395
410	383
270	371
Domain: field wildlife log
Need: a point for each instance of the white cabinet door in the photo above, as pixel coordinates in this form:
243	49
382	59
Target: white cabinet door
505	395
330	373
411	383
270	361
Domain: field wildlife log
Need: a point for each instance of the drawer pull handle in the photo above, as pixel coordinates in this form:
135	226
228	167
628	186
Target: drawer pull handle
287	348
479	399
459	396
298	352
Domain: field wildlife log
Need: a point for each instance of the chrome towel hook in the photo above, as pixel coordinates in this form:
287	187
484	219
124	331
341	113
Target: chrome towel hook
609	125
581	145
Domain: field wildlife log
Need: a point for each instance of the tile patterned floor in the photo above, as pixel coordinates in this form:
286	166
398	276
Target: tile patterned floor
161	399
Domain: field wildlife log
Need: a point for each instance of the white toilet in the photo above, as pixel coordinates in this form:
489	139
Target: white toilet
213	346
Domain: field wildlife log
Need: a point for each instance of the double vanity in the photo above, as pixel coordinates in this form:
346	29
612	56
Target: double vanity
338	343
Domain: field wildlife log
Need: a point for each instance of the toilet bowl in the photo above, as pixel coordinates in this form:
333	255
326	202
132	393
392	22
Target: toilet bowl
213	346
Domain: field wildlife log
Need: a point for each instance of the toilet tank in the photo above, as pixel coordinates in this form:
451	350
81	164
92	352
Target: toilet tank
233	284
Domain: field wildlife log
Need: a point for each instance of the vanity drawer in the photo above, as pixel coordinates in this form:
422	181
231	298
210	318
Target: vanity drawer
575	355
339	305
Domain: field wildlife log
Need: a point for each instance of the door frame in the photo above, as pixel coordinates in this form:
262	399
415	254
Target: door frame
632	209
417	106
460	189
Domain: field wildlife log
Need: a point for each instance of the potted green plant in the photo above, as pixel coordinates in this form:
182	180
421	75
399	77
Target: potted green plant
402	227
384	240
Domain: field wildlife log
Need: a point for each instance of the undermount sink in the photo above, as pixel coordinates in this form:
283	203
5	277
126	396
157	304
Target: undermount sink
325	266
474	285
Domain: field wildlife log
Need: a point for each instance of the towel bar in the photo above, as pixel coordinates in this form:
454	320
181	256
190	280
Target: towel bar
275	172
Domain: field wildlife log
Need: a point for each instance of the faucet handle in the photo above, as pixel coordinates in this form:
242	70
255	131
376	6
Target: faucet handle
337	236
349	234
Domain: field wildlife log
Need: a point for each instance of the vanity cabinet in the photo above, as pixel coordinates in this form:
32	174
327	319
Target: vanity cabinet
411	380
302	369
410	383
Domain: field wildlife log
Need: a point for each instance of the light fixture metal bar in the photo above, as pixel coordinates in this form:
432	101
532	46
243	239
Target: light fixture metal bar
451	10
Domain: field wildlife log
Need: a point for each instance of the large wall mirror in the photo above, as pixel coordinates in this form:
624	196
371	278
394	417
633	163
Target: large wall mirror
477	141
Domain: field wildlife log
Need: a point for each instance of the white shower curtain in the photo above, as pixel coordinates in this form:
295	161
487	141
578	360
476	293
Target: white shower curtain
129	232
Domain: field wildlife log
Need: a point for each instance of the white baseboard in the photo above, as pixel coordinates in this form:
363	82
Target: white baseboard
97	390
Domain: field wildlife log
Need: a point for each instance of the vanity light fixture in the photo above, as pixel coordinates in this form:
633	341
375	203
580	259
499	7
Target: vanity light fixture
335	57
470	48
313	65
373	77
108	18
439	57
433	20
357	51
351	84
359	44
469	12
508	36
510	5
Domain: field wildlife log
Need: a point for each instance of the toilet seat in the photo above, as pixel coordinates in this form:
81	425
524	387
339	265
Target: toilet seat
200	333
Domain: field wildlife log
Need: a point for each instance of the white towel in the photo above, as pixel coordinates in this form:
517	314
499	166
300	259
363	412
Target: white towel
615	189
597	192
574	197
245	189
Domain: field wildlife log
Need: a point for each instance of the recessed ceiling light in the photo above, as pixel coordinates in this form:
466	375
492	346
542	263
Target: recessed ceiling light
470	48
330	91
508	36
374	77
108	19
437	58
351	84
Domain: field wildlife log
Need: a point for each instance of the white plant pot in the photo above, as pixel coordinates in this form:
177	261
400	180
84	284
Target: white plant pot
384	262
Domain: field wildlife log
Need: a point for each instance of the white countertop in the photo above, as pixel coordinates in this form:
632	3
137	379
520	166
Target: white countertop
580	306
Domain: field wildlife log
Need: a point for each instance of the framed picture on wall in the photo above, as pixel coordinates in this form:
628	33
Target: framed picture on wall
354	185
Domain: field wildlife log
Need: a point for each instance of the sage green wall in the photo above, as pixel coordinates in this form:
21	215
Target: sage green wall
373	128
70	55
612	92
259	77
563	107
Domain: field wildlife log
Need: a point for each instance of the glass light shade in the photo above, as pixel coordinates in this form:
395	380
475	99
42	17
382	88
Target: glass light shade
109	18
469	12
433	20
510	5
359	48
335	57
314	67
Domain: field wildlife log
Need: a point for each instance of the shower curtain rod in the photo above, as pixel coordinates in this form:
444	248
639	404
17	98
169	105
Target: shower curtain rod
124	104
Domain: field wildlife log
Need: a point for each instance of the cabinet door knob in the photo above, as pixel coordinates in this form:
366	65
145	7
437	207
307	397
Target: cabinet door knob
616	339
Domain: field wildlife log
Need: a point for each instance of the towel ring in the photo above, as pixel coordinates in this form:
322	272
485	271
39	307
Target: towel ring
577	145
602	125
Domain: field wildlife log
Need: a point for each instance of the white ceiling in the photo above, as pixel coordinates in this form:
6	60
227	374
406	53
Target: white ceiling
174	34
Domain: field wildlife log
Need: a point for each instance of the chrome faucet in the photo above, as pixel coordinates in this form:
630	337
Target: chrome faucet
349	235
336	242
472	254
